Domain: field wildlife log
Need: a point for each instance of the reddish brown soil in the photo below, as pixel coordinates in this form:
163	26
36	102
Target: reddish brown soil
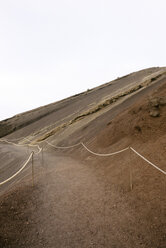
86	205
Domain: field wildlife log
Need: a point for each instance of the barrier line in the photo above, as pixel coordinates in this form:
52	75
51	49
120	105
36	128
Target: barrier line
62	147
9	142
110	154
39	148
24	165
155	166
18	138
104	155
36	153
81	143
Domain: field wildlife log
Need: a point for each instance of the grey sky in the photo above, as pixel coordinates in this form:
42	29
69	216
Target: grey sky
51	49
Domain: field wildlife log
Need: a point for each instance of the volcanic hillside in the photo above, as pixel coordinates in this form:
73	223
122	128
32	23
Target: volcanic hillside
80	197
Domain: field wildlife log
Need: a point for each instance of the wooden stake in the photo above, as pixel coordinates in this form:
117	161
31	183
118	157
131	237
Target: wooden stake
131	174
32	170
28	149
42	156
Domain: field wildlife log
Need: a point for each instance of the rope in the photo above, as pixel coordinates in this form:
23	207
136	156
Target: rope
9	142
103	155
66	147
18	138
155	166
109	154
40	149
24	165
62	147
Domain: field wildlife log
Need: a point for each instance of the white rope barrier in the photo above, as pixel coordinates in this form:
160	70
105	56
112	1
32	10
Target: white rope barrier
104	155
18	139
109	154
38	147
81	143
155	166
24	165
67	147
9	142
62	147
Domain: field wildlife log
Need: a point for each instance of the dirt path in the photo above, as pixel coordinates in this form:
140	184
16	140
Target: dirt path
74	205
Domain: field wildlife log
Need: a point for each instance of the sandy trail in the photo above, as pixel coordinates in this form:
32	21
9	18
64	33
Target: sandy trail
73	205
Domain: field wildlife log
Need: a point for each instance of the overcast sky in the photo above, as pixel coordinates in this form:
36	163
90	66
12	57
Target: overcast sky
51	49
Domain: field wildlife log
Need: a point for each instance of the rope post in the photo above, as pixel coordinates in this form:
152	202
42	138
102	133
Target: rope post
131	174
42	156
32	170
28	149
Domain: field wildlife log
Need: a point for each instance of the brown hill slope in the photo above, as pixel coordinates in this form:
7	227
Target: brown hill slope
59	113
83	200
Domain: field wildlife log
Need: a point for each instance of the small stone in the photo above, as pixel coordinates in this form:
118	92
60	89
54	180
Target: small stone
162	100
155	113
154	102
